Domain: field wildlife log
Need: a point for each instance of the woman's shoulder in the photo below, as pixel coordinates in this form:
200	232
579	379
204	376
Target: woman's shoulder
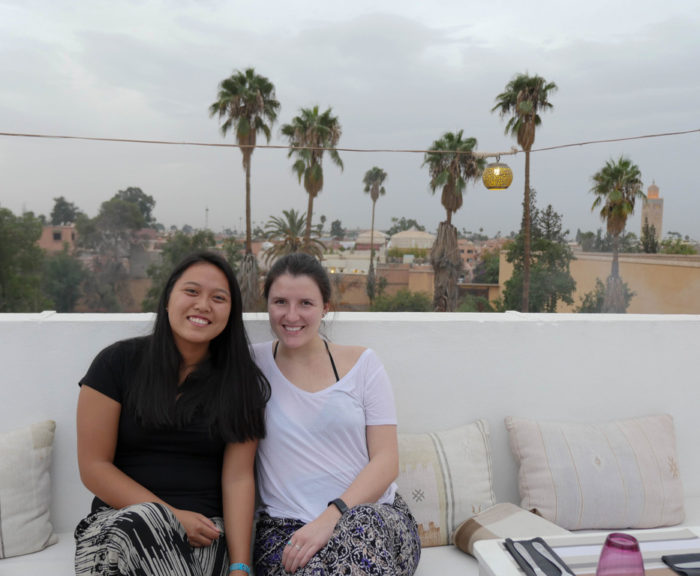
346	357
345	351
122	349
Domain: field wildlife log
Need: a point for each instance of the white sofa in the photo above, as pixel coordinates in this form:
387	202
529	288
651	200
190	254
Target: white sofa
446	369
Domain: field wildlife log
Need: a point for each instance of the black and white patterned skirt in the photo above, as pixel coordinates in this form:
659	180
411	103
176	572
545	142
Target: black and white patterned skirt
376	539
144	540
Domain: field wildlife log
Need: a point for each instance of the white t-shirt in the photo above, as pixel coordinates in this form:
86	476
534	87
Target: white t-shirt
316	443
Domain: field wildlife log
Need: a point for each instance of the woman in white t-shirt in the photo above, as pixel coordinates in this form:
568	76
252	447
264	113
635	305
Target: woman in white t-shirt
327	466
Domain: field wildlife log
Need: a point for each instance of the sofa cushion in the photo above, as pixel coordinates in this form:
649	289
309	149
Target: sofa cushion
25	489
504	520
446	477
599	475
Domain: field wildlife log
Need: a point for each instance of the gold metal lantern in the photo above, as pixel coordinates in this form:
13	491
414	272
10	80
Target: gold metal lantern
497	176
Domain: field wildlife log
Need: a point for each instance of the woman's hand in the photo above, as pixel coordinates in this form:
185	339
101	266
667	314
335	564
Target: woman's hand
201	531
309	539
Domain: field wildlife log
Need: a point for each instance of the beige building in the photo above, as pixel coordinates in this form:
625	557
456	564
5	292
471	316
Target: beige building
412	238
662	283
53	238
653	211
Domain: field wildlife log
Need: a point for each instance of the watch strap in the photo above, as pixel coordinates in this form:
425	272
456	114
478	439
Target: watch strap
340	505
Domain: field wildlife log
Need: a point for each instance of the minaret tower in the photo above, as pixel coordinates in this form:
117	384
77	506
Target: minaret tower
653	210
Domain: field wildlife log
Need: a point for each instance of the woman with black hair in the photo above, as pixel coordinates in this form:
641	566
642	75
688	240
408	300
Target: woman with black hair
168	426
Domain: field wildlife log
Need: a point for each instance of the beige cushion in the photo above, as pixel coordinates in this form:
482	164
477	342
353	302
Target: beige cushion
599	475
25	489
504	520
445	477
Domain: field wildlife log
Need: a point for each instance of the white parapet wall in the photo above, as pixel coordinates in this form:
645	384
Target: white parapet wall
446	370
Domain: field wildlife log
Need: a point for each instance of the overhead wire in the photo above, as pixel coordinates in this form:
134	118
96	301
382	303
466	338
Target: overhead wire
512	151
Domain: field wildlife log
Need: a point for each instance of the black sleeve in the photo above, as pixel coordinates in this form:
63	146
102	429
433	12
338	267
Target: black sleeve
107	373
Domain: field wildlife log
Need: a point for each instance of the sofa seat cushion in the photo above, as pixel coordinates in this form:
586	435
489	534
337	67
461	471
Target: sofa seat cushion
446	561
57	560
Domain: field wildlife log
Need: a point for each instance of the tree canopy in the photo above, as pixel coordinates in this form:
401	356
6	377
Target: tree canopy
64	212
310	134
521	101
21	262
550	280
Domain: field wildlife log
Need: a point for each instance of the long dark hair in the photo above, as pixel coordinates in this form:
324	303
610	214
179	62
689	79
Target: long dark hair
300	264
228	387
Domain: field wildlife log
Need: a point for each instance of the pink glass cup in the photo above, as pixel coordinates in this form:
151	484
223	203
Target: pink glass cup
620	556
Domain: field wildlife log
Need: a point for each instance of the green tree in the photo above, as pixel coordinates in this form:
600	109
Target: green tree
21	262
144	203
650	244
287	233
310	134
592	302
320	225
677	246
451	163
178	246
64	212
402	224
247	103
550	279
486	271
109	238
473	303
337	230
403	301
232	250
373	180
62	279
616	186
522	101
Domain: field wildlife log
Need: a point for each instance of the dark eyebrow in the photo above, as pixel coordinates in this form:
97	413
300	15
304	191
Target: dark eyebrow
223	290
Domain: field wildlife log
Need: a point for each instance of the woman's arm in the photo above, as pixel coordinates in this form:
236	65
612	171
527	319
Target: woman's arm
238	484
98	429
368	486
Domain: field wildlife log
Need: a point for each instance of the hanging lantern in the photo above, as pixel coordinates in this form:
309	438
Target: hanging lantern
497	176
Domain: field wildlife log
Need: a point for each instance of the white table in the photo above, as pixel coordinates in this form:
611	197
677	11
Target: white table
581	550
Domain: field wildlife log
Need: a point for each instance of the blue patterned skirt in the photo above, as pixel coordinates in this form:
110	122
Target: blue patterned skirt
376	539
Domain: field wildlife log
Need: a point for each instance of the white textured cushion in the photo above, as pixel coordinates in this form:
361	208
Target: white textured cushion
445	477
605	475
25	489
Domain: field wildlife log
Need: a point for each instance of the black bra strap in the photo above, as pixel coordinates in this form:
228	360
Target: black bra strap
337	378
335	370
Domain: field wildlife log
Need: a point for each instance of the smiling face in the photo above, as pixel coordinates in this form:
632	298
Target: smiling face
199	307
296	308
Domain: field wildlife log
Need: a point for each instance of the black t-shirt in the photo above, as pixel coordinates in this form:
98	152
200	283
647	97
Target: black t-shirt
180	465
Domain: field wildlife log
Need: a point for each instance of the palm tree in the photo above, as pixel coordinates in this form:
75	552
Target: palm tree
617	186
247	103
310	134
287	232
452	163
373	180
522	100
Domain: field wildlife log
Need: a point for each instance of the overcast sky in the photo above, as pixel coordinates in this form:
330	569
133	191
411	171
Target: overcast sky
397	74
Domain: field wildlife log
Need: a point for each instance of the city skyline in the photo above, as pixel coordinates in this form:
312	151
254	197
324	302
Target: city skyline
398	75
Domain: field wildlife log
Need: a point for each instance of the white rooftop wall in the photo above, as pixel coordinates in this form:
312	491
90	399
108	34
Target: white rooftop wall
446	369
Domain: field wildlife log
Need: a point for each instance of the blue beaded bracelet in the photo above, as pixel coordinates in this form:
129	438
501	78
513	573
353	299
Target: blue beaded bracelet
239	566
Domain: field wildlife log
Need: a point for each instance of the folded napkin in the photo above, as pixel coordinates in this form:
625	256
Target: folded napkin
678	563
542	555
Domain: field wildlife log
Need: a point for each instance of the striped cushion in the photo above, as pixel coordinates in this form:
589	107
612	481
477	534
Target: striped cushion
445	477
612	475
